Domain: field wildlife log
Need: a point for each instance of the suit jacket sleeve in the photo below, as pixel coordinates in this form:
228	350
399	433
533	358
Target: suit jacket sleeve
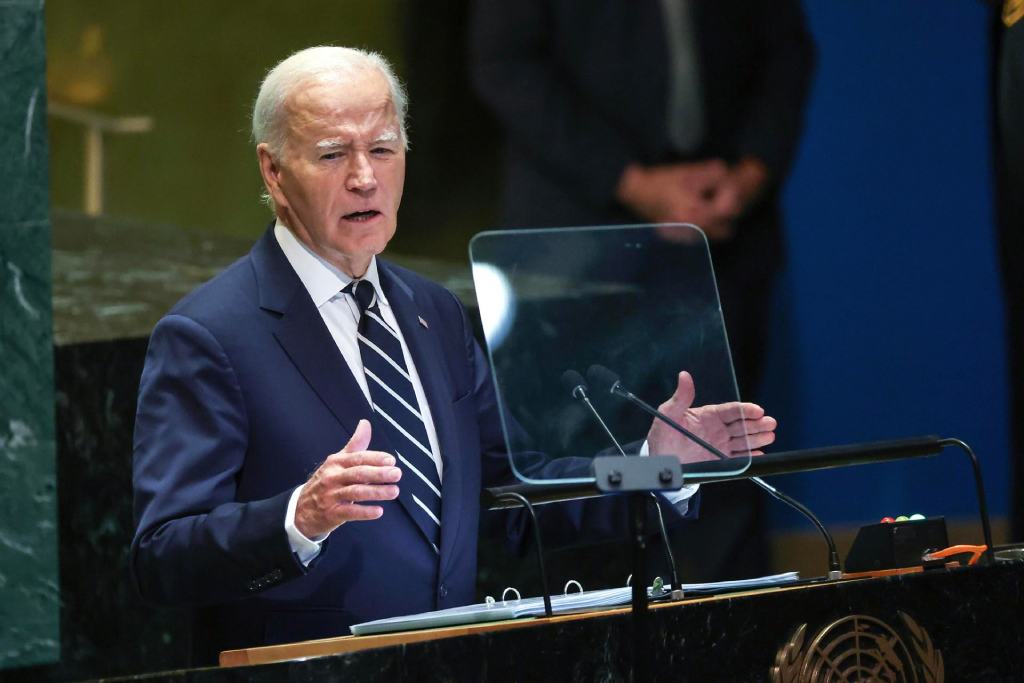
194	544
514	72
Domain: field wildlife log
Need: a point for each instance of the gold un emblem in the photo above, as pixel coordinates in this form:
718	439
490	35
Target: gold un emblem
860	649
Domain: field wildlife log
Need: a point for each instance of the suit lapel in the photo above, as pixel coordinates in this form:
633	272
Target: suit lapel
427	354
302	333
309	344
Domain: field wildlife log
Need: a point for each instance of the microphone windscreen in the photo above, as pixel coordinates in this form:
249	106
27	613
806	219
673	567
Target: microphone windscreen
601	378
572	379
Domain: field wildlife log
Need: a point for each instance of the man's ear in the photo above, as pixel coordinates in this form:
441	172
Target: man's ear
270	169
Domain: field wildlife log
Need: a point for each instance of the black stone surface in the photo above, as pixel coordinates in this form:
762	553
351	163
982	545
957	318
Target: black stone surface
114	278
972	616
106	629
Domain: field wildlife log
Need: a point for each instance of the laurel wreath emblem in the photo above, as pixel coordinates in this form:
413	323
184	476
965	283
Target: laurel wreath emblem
854	646
790	659
931	659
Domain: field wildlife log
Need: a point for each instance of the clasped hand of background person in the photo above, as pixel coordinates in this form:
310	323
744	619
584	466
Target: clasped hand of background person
710	194
352	475
736	429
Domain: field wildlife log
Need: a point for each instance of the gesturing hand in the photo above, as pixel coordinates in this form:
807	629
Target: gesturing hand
350	476
733	428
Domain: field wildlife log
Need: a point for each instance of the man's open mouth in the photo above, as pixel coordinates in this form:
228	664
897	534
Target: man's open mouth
362	215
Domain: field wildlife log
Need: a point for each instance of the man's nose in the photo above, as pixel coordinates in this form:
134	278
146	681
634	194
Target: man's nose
360	173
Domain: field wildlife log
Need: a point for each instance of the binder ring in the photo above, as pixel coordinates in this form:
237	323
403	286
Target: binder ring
629	580
565	591
510	588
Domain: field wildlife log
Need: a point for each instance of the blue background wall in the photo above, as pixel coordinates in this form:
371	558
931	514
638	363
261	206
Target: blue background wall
889	319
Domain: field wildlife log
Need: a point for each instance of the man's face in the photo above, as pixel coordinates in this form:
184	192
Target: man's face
339	182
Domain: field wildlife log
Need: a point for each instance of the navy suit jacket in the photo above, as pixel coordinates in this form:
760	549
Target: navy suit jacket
243	395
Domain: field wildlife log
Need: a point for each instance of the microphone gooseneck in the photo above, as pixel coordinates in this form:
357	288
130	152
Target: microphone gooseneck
606	380
577	386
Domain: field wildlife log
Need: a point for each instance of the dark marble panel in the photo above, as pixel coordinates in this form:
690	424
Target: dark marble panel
28	510
970	615
24	162
28	531
113	278
105	627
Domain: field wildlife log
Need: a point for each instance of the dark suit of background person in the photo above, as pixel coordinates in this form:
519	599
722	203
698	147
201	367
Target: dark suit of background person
580	88
244	393
1009	162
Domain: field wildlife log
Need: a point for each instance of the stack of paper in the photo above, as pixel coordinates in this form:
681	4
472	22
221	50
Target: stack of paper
560	604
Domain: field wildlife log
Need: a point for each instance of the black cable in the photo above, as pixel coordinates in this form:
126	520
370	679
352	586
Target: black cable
986	528
833	556
676	583
540	550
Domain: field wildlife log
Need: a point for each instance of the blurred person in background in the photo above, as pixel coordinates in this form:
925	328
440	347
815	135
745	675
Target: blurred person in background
659	111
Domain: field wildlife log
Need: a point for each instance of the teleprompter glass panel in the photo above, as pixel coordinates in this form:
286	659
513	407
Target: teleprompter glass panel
632	304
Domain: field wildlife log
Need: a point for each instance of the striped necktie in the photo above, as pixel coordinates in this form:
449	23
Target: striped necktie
394	399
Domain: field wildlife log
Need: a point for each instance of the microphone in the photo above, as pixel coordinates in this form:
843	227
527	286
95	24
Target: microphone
577	386
605	379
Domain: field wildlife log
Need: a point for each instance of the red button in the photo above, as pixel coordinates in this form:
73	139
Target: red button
887	520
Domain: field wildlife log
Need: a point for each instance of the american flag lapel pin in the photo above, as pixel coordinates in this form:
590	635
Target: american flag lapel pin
423	322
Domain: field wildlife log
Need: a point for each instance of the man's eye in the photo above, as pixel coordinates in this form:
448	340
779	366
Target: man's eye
330	155
382	151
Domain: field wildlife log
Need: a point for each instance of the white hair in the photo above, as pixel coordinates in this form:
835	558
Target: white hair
324	62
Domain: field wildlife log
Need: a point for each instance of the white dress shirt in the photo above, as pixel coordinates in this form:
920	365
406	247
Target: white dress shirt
340	313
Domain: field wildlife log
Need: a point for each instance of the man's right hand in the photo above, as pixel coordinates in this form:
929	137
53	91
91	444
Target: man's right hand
352	475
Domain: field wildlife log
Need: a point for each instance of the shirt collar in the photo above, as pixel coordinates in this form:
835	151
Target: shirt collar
322	280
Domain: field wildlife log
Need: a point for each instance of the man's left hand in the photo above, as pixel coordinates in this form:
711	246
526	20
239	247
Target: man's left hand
735	428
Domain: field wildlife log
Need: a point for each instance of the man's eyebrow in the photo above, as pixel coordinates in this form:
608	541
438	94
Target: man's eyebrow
331	143
390	136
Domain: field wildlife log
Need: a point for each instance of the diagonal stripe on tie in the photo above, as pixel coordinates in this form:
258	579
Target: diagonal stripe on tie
394	398
416	471
378	380
384	355
404	432
426	510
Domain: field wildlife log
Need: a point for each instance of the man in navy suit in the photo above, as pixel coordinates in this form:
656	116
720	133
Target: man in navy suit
246	509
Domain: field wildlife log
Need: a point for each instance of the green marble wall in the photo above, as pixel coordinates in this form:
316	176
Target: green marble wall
29	590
